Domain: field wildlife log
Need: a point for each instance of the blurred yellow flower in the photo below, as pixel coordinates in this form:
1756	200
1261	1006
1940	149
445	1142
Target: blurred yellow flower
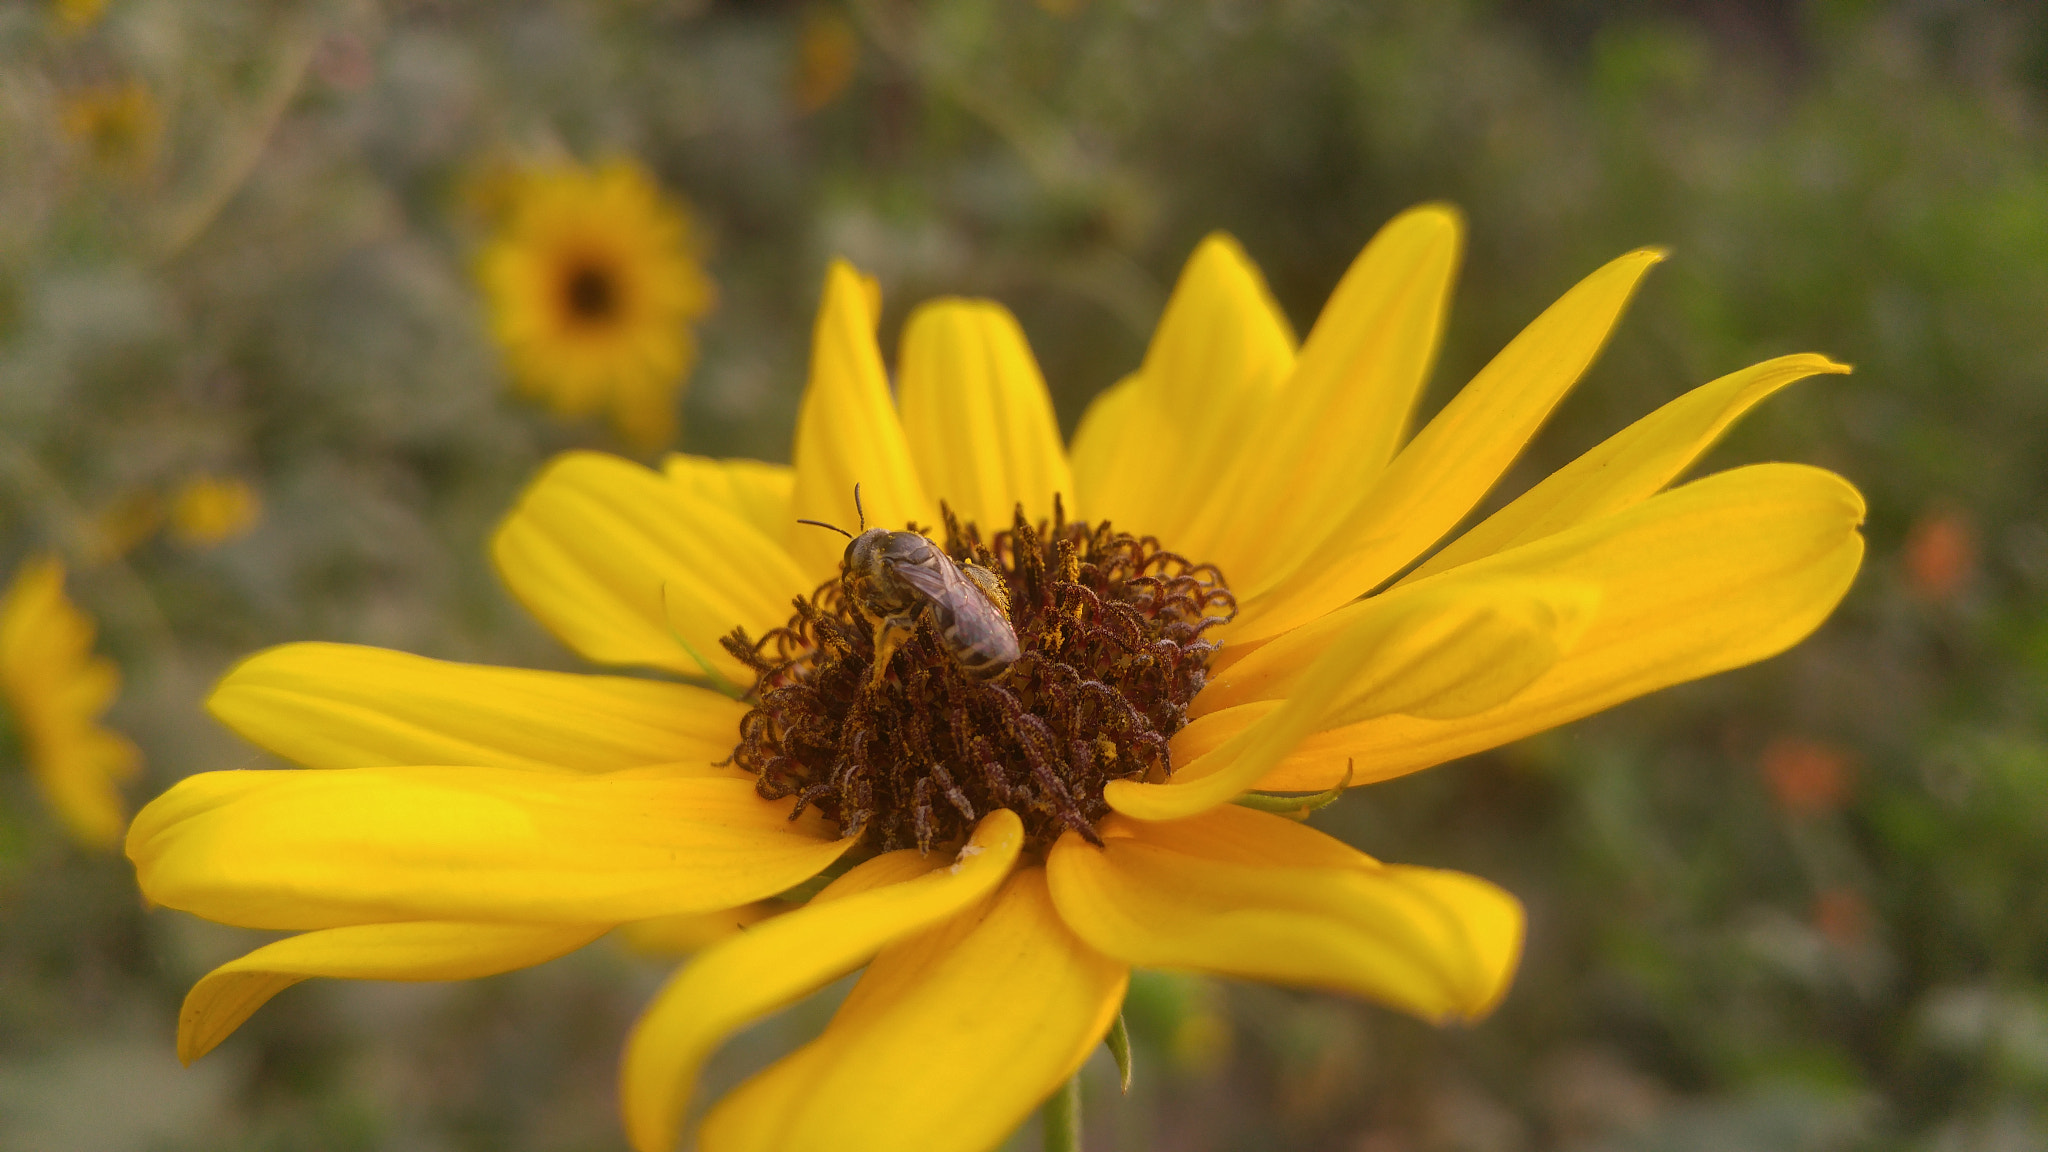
1011	846
79	15
117	123
56	689
827	50
592	282
207	510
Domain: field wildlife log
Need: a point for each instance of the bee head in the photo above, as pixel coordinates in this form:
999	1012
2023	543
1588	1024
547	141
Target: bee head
864	553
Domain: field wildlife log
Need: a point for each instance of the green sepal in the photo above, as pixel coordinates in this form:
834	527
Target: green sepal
1119	1041
1296	807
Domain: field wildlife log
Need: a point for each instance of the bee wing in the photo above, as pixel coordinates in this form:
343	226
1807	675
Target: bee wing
936	582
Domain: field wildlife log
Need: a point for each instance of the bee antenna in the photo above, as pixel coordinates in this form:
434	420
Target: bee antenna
858	508
822	524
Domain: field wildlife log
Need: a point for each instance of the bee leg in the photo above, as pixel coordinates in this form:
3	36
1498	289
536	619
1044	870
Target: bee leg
991	586
891	633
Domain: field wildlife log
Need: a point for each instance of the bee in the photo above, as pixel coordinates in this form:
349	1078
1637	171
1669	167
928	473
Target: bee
896	578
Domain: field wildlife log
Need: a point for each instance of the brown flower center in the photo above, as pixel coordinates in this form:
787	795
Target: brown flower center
1111	651
590	292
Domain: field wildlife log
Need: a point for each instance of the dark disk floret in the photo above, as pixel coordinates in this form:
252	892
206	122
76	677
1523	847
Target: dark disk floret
1110	628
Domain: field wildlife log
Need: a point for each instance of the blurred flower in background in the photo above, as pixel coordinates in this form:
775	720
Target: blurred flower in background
593	283
207	510
118	125
55	690
79	15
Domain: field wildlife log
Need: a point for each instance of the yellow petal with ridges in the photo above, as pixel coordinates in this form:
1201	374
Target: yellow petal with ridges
1629	466
1101	456
1708	576
422	950
756	492
612	558
1249	894
946	1044
1303	464
1452	462
847	432
1218	357
1444	651
327	848
349	706
776	963
976	415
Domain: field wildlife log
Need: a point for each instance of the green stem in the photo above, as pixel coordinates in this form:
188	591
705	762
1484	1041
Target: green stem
1061	1118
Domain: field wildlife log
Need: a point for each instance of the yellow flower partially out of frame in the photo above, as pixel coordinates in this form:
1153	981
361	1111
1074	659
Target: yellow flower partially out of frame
56	689
460	820
592	283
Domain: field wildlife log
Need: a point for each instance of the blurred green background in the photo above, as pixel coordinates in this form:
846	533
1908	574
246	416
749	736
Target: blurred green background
1803	906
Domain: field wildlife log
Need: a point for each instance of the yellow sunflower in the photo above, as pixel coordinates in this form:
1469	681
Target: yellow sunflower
1187	589
56	689
593	281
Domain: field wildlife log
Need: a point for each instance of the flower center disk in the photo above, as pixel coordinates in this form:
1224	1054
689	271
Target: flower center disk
591	293
1110	633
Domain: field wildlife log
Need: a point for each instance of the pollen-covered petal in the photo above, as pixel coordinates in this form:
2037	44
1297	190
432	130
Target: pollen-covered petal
1217	359
327	848
847	432
349	706
1444	651
1451	463
976	414
1708	576
753	490
420	950
776	963
946	1044
1629	466
612	558
1303	464
1249	894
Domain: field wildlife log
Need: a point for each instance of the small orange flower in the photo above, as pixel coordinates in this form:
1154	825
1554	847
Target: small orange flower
1842	917
1941	555
827	51
1807	777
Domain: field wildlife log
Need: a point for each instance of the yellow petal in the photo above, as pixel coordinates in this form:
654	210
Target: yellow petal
614	560
756	492
1104	455
776	963
1216	361
1452	462
1631	465
946	1044
326	848
1444	650
847	432
347	706
1304	463
1708	576
423	950
1243	893
976	416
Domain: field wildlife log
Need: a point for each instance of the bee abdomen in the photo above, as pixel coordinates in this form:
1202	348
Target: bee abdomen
984	649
